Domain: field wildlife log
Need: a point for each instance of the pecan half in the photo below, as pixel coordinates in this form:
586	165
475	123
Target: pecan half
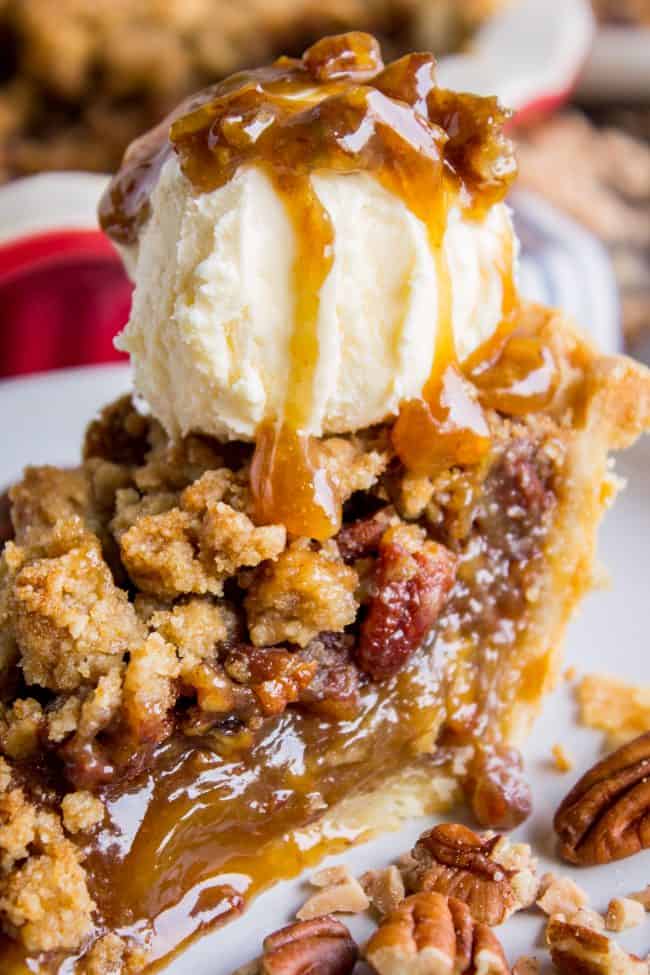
495	787
321	946
606	816
453	860
430	934
576	950
412	580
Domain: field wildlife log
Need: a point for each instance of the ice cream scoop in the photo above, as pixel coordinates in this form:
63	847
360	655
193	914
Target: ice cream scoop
314	245
212	322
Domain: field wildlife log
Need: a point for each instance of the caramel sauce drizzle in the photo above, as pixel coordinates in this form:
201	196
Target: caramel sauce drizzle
338	109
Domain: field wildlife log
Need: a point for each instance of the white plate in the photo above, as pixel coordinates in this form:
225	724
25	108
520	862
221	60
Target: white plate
44	420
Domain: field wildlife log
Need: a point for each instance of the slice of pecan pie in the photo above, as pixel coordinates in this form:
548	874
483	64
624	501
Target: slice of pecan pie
224	657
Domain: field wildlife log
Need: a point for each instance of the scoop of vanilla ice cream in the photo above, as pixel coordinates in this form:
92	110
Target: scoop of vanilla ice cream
212	314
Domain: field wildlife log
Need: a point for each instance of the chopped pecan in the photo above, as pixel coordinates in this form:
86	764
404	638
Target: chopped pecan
526	966
496	789
362	537
429	933
605	816
623	913
334	688
321	946
412	580
339	893
582	951
276	677
385	888
560	895
453	860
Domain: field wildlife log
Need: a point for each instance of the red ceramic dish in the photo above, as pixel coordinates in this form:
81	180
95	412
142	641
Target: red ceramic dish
63	296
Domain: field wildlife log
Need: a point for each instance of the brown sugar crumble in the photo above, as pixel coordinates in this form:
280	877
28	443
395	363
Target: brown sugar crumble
620	709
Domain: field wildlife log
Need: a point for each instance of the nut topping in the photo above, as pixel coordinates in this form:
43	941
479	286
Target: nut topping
581	951
453	860
606	817
429	934
322	946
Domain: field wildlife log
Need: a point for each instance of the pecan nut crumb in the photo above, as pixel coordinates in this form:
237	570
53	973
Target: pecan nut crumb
429	933
526	966
384	889
623	913
561	758
581	951
453	860
560	895
498	794
321	946
605	816
339	893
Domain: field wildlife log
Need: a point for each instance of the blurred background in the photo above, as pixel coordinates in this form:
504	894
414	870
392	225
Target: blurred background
80	78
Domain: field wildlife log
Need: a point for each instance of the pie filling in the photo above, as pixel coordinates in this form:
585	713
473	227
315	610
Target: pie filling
223	708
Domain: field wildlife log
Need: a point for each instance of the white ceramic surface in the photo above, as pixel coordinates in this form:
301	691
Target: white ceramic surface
44	419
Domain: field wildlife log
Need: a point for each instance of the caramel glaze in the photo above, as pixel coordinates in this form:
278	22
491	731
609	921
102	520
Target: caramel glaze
338	109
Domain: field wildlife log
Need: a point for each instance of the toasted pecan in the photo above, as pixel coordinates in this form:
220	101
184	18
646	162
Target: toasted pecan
606	816
320	946
576	950
430	933
453	860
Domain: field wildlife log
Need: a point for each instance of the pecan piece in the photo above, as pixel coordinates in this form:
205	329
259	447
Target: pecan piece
412	580
362	537
606	816
453	860
334	688
496	789
576	950
321	946
276	677
429	934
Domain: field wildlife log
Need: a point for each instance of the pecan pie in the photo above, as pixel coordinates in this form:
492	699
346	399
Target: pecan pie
225	655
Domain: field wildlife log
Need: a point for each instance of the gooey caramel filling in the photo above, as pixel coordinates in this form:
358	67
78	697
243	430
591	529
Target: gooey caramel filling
339	109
